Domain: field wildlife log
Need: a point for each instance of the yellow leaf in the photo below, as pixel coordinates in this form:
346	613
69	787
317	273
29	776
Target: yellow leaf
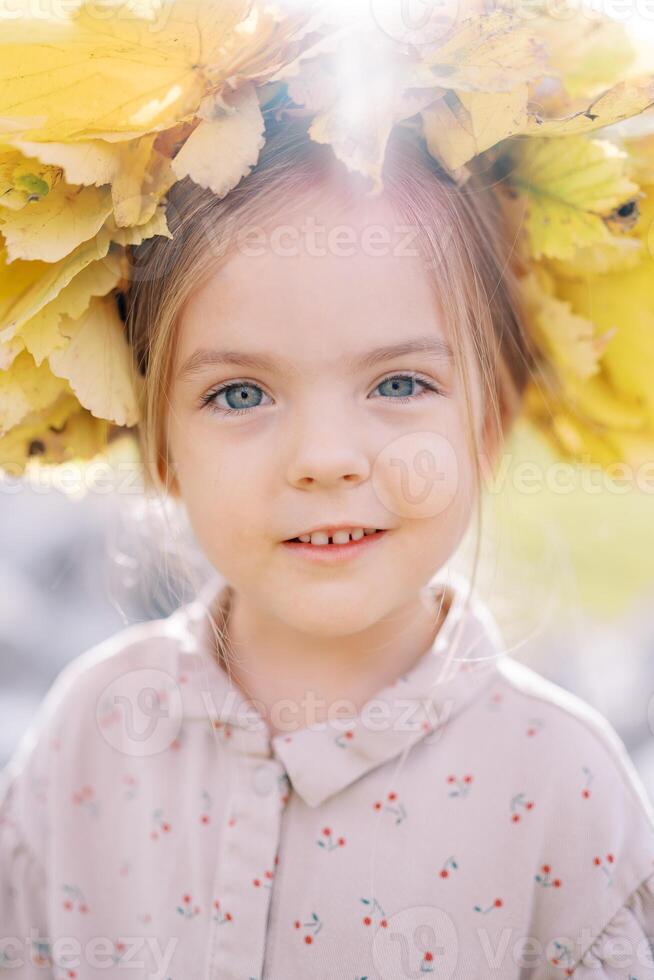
9	350
628	98
223	147
41	334
115	76
459	126
602	257
98	363
60	433
54	226
589	52
569	340
23	179
138	174
597	402
571	185
624	300
358	124
156	225
493	52
26	287
25	388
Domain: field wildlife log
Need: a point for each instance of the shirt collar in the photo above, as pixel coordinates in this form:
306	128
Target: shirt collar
458	666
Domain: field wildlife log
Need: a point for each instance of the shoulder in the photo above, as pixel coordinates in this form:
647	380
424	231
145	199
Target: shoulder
593	823
82	716
79	686
567	729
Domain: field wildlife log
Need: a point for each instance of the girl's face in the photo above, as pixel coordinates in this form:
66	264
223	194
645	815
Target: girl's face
343	419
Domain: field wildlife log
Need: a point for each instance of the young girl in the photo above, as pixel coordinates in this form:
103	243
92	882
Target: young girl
326	765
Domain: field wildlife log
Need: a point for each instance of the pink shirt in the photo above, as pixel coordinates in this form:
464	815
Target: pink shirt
483	825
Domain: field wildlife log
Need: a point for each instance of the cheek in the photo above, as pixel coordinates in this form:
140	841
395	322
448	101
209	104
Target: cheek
423	475
222	490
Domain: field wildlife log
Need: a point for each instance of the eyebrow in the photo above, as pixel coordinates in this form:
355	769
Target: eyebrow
207	357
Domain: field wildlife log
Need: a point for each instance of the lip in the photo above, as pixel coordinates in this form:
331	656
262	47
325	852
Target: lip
335	552
329	529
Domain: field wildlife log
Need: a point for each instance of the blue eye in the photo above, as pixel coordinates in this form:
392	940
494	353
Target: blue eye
399	383
242	396
236	394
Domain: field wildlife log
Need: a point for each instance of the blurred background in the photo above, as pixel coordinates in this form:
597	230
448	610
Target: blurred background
567	569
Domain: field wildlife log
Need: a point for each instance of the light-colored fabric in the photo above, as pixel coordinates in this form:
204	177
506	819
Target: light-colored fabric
478	823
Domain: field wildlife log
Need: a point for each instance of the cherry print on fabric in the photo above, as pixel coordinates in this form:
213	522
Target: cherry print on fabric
177	742
497	903
445	870
163	826
314	925
264	880
205	815
462	784
520	805
85	799
375	910
536	725
392	806
545	878
222	728
564	959
187	909
329	842
218	915
605	866
585	793
74	899
41	955
344	740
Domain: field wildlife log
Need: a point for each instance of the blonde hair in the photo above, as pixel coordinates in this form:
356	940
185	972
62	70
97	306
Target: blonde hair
461	234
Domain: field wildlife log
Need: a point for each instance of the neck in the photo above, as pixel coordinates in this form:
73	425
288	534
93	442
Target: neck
295	680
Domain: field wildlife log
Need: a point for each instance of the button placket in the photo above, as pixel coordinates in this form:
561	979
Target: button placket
245	868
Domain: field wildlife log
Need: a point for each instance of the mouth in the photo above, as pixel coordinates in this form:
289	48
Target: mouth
341	544
341	535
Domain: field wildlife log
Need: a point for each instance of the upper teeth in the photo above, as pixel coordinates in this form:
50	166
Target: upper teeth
338	537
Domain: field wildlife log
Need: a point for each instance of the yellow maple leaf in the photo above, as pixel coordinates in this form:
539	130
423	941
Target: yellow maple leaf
55	225
26	288
138	174
62	432
461	125
627	98
493	52
224	146
98	364
23	179
147	73
588	52
624	300
571	186
570	341
9	350
41	334
26	388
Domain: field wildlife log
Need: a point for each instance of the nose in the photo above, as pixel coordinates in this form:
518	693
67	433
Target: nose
327	455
